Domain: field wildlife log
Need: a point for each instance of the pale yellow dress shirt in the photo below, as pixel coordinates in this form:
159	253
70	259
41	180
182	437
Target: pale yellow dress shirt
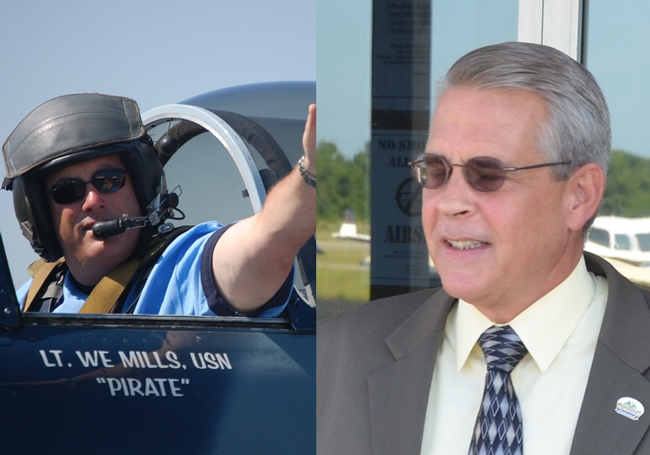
560	331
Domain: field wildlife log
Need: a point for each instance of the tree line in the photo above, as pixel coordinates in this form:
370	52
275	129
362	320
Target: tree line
628	186
343	183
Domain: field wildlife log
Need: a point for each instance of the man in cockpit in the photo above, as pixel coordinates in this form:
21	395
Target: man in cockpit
83	161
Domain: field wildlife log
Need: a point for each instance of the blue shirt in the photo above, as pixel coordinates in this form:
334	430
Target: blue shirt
181	282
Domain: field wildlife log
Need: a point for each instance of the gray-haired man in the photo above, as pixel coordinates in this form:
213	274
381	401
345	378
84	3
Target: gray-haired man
531	343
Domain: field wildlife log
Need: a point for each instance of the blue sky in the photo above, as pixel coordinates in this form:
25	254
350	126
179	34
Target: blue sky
617	55
155	52
344	61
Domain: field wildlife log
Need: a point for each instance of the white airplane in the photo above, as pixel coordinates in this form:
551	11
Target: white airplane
626	239
348	228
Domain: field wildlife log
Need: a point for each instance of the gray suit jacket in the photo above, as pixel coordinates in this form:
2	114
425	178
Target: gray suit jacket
375	365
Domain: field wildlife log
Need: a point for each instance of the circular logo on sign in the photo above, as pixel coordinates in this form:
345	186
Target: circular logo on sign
409	197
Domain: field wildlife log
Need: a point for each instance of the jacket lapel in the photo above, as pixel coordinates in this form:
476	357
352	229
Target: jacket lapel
622	357
398	393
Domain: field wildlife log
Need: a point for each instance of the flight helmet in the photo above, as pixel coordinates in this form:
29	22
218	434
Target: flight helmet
67	130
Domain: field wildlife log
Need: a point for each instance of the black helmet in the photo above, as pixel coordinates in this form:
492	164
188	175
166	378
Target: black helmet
68	130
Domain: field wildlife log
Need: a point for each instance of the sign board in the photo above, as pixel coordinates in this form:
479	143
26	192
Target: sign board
400	119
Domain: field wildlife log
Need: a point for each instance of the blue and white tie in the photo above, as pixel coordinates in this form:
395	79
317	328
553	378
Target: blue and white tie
499	429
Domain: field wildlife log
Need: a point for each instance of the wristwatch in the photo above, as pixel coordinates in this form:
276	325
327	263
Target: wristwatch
310	179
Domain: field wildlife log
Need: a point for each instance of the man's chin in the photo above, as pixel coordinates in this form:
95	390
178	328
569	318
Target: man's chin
90	251
95	250
462	286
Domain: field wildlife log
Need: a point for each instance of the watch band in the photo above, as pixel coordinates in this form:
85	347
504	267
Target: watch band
309	178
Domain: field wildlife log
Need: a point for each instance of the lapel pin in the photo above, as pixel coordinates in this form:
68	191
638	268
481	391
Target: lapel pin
630	408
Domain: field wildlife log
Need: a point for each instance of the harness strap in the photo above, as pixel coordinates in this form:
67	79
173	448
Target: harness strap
110	288
43	272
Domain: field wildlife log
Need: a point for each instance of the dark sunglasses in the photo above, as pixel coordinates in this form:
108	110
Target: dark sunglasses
72	190
484	173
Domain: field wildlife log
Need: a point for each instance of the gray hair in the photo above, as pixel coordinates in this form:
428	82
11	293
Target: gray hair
578	126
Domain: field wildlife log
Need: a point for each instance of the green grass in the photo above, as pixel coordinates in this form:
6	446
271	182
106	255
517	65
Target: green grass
339	272
336	282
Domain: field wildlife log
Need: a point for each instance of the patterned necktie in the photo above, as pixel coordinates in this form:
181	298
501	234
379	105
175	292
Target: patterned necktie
499	429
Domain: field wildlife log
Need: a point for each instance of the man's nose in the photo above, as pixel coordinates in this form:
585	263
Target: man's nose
457	197
93	200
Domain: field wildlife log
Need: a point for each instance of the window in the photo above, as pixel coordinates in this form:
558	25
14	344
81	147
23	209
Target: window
599	236
644	241
399	260
622	242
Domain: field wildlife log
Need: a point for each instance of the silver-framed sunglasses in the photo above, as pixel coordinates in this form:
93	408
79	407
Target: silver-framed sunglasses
484	173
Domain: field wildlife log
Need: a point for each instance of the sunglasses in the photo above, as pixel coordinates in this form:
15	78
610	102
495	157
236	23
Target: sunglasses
484	173
72	190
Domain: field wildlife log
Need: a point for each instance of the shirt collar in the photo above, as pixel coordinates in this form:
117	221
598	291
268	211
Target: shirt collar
558	312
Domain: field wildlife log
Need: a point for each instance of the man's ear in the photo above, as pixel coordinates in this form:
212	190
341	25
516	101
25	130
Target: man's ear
585	190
